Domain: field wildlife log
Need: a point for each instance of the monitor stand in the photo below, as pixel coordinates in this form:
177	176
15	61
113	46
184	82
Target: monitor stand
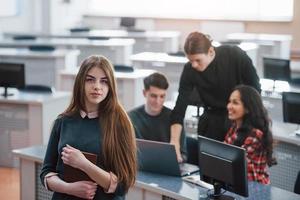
217	195
6	94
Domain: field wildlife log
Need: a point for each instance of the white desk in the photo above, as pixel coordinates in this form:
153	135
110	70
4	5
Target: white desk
41	67
155	41
116	50
275	45
148	186
129	85
26	120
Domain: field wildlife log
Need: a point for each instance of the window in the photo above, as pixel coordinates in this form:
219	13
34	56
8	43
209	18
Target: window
8	8
249	10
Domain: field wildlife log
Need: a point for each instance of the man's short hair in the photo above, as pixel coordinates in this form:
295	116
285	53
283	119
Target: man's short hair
156	80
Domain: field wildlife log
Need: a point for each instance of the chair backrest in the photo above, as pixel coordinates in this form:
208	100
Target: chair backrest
41	48
123	68
79	29
24	37
297	184
38	88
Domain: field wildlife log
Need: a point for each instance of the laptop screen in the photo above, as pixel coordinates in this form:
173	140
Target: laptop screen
160	157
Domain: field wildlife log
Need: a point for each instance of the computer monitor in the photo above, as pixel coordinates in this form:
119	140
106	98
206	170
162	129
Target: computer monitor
11	75
223	166
277	69
127	22
291	108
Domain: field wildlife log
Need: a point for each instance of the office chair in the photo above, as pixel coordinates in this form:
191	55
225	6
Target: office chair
123	68
231	42
41	48
38	88
79	29
24	37
297	184
178	53
97	38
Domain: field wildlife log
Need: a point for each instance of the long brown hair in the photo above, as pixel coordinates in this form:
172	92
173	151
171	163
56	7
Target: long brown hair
118	147
197	43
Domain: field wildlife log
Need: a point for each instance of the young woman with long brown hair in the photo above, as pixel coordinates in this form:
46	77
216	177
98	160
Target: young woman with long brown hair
94	122
251	130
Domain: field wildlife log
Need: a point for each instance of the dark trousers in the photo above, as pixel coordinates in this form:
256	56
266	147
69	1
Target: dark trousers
214	124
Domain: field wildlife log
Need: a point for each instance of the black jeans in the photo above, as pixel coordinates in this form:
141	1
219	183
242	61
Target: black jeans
214	124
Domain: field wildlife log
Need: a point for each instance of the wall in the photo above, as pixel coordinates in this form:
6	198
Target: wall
65	14
187	26
44	16
284	28
23	21
55	15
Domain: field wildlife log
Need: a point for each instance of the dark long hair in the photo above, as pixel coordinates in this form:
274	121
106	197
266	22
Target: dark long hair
118	147
255	117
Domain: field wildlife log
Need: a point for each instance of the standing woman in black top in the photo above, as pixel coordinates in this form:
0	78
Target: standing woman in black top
213	72
94	122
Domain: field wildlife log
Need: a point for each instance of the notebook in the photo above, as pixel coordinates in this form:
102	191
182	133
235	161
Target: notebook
160	157
72	174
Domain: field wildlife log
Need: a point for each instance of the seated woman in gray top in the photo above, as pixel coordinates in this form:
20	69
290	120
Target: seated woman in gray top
151	121
94	122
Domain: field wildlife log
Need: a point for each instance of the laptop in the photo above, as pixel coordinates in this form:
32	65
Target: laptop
160	157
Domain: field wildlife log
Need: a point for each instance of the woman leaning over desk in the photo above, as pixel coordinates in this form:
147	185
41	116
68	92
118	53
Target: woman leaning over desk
94	122
251	130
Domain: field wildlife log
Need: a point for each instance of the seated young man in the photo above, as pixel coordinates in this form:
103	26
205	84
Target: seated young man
151	121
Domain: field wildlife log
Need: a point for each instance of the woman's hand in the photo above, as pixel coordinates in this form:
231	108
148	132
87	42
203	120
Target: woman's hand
73	157
82	189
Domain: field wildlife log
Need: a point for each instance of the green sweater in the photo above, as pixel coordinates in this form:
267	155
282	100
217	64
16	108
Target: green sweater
83	134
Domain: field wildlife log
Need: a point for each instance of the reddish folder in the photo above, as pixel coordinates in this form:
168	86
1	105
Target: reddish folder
72	174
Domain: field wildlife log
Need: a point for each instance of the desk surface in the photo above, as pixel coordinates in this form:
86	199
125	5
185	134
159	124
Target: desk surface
103	33
159	57
284	132
259	37
26	53
173	186
164	57
36	98
137	73
66	42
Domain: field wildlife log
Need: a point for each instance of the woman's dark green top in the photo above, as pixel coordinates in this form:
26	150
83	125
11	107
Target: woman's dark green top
83	134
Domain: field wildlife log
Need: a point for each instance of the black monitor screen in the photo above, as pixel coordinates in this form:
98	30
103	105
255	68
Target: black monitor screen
277	69
128	22
223	166
291	107
12	75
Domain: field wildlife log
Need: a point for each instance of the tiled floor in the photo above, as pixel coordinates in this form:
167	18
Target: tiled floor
9	183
